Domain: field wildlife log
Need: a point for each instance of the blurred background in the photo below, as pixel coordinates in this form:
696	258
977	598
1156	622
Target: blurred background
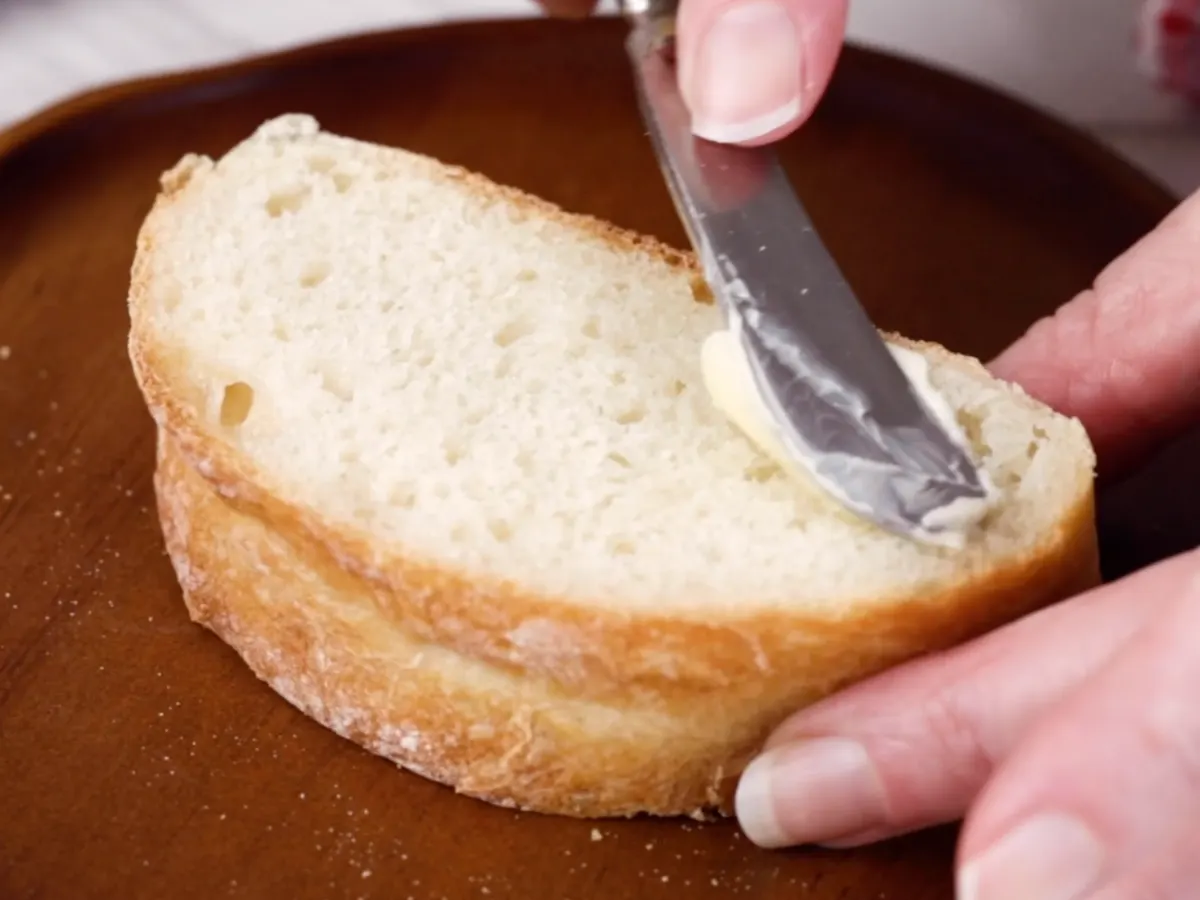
1076	58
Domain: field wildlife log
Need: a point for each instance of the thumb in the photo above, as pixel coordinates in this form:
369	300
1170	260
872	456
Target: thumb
1100	798
912	747
752	70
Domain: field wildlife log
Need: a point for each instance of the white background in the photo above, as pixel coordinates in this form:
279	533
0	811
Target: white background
1074	57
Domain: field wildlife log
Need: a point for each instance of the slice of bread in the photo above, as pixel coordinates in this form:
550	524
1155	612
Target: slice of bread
436	458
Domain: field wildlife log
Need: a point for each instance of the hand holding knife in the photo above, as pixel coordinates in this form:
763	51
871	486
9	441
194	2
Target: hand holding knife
838	400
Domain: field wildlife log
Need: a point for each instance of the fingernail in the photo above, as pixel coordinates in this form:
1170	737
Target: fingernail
746	78
1049	857
809	792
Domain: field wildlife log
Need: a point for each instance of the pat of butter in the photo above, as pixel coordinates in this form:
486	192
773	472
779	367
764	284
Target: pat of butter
730	383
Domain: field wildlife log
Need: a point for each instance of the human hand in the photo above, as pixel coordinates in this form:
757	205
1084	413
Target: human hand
750	71
1070	739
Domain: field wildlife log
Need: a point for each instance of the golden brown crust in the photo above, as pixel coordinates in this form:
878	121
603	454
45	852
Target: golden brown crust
654	664
313	634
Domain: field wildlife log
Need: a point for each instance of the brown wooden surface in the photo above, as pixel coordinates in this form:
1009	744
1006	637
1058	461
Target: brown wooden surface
139	757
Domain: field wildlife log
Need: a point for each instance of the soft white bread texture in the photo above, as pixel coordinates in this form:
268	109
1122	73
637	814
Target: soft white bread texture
436	458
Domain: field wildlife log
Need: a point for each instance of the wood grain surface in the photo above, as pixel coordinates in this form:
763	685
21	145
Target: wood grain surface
139	757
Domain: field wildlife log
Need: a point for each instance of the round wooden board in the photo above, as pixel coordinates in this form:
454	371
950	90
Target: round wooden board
140	757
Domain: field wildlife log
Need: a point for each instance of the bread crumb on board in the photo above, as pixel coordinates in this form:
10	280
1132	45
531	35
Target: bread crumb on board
5	352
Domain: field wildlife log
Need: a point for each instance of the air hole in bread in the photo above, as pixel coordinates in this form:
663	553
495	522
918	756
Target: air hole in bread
287	201
504	366
761	471
620	459
454	453
171	298
620	547
500	530
591	328
524	461
236	403
972	426
631	416
460	534
677	388
321	164
512	332
342	182
334	384
314	273
424	360
617	378
527	275
281	332
1039	437
403	496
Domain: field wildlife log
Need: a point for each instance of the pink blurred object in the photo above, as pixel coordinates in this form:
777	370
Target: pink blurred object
1168	44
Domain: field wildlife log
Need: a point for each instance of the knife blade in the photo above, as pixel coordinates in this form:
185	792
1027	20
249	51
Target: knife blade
841	404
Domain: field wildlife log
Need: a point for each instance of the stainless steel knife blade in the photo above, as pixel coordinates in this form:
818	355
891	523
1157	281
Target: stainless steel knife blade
843	407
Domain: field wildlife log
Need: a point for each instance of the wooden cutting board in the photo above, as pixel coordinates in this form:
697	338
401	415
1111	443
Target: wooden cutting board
139	757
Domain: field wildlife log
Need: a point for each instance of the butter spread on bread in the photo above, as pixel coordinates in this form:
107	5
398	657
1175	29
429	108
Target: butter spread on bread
730	382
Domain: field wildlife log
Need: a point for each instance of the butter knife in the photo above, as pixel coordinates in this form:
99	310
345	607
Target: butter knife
842	407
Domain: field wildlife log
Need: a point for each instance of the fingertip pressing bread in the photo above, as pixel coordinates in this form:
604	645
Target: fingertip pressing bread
437	459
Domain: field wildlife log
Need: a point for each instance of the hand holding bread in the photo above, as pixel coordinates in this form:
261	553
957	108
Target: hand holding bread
1068	739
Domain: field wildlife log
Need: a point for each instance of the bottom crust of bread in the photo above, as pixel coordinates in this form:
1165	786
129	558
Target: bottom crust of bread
318	636
313	636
